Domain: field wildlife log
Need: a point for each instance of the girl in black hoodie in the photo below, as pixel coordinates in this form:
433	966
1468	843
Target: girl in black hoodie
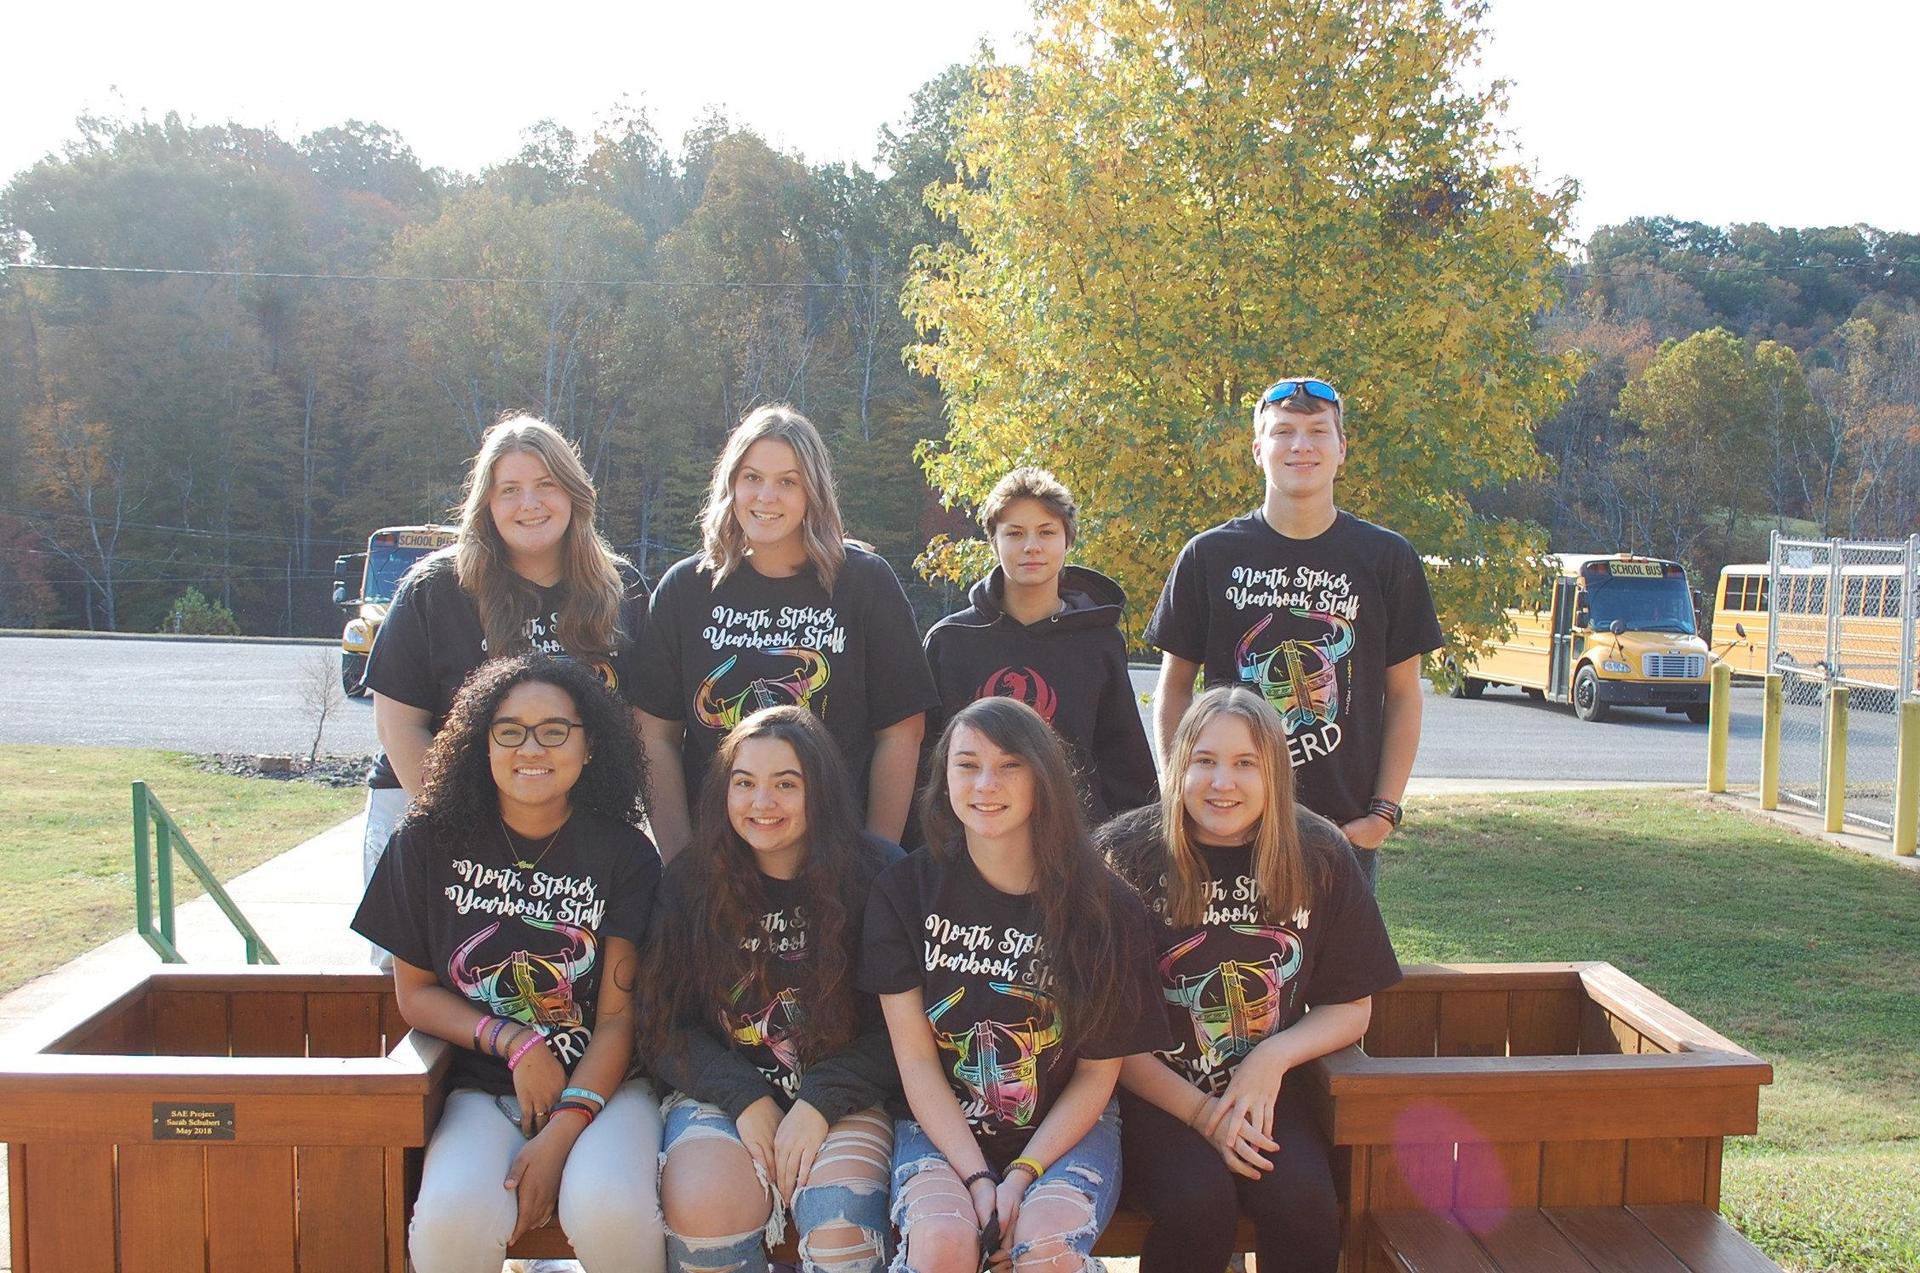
1048	634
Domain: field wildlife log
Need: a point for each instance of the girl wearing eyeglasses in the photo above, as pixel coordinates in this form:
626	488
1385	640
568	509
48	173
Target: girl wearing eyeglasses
527	572
513	898
779	608
779	1066
1270	949
1014	973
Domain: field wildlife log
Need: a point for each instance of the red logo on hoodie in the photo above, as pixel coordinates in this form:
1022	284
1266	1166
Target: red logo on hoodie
1024	684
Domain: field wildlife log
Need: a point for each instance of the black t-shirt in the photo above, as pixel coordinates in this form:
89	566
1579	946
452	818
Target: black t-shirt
765	1009
714	655
432	640
1240	976
528	944
1312	625
977	957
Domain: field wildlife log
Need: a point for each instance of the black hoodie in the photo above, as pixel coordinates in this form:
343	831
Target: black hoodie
1070	667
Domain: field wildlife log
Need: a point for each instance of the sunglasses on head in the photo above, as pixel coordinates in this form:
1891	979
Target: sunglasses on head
1281	390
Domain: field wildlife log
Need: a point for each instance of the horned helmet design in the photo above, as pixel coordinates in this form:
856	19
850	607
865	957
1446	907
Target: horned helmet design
525	986
795	689
1000	1063
1307	689
1237	1003
771	1027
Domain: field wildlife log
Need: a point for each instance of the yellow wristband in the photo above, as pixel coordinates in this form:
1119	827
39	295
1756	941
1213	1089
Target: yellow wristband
1032	1166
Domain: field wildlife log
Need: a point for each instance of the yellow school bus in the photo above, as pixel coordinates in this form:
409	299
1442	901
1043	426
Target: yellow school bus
363	585
1610	630
1867	632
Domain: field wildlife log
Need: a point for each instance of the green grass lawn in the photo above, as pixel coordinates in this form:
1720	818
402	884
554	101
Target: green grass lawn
1808	955
66	840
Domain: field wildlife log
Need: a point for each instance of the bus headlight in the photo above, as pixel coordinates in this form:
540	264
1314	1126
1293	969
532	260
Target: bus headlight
1616	667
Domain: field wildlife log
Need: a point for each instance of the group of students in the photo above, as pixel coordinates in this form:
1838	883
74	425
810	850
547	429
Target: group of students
1082	979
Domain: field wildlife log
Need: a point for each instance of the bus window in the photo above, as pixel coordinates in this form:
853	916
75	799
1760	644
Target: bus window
1760	589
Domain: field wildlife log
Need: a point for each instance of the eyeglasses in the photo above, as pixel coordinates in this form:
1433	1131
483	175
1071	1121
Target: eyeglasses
548	733
1281	390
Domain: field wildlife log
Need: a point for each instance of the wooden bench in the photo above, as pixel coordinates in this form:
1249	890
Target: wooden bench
273	1119
1670	1238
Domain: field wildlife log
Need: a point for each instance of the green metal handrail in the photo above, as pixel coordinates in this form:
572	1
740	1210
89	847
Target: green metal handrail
154	828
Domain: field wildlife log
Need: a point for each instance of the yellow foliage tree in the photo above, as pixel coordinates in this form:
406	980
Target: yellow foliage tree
1177	202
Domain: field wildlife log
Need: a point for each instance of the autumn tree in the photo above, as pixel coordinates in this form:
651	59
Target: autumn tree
1174	203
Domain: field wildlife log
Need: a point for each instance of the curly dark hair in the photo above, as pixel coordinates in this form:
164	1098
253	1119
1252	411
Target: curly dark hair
458	801
1073	887
713	898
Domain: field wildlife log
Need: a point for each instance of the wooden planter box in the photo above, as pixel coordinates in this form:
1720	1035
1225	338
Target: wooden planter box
1486	1092
252	1121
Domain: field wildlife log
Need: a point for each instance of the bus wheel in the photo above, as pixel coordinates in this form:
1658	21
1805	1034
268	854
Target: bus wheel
1586	696
1535	694
353	670
1468	687
1698	712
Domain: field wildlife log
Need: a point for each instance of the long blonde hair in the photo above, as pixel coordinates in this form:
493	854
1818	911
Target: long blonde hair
590	569
1279	865
724	544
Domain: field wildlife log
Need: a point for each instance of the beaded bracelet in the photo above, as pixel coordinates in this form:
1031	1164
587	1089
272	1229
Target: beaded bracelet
534	1039
985	1173
585	1093
1032	1166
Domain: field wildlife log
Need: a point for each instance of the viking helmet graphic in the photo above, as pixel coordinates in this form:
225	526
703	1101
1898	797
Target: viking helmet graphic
1306	688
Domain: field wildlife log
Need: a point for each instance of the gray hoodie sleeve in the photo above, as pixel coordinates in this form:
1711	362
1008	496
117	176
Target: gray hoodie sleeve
857	1077
708	1070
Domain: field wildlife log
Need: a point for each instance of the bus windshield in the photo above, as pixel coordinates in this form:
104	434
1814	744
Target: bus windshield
1659	604
385	564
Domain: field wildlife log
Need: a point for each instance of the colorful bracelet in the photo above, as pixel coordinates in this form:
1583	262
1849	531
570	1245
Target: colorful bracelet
578	1107
585	1093
985	1173
493	1040
478	1026
534	1039
1032	1166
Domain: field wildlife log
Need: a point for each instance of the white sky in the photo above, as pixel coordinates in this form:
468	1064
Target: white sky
1711	110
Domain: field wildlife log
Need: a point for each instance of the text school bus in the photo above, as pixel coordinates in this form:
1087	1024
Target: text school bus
1610	631
375	573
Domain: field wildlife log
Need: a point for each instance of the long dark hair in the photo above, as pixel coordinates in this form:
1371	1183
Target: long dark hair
1072	886
715	899
458	801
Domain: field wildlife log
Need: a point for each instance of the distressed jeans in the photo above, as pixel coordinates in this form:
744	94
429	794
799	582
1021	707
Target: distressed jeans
1087	1177
847	1190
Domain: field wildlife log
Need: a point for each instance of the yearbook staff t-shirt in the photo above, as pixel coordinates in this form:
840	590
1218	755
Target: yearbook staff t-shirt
714	655
1311	625
526	942
1241	975
764	1010
981	965
432	640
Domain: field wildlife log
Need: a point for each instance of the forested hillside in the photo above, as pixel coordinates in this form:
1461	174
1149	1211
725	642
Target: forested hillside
254	349
313	333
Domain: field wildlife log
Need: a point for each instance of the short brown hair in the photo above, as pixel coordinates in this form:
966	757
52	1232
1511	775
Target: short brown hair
1030	482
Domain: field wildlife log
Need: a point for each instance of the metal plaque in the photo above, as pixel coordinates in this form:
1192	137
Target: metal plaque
205	1121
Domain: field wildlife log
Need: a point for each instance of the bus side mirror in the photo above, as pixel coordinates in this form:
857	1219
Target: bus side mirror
1617	626
339	593
1740	630
1699	602
1582	616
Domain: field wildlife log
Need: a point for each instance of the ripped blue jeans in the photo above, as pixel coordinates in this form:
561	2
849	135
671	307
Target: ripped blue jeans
839	1217
1079	1192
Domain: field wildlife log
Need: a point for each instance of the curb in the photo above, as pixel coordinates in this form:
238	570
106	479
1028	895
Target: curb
72	634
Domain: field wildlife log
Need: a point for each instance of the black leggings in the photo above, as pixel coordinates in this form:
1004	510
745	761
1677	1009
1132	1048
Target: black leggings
1176	1177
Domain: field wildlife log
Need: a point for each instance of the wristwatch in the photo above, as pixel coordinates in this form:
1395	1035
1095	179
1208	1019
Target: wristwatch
1387	809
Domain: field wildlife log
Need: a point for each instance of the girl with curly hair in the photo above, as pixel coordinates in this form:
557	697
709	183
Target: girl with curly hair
528	572
513	898
779	607
1014	972
779	1065
1270	950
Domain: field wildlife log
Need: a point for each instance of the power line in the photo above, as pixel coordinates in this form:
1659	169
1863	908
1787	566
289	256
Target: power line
670	284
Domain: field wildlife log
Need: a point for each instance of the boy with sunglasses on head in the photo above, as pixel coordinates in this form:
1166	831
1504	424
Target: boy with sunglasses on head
1321	613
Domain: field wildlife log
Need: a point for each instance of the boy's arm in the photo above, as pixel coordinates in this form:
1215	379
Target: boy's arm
1399	741
1174	694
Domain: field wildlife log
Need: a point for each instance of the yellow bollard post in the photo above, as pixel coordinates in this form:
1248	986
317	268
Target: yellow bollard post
1719	714
1836	757
1770	744
1906	784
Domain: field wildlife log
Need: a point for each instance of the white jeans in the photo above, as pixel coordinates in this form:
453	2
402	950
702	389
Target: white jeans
608	1204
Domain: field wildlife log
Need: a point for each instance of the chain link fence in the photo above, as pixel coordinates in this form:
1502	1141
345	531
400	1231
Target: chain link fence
1841	613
